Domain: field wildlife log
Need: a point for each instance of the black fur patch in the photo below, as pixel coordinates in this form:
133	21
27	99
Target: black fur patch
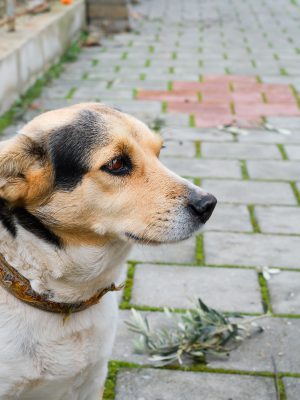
71	145
7	218
31	223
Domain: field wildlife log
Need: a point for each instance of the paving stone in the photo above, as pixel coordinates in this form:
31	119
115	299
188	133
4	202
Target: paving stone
183	252
260	136
293	152
287	123
240	151
249	192
251	250
209	135
279	219
175	286
231	218
285	292
274	170
178	148
292	388
204	168
151	384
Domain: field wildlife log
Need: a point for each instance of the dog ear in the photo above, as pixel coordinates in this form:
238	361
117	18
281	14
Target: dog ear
24	170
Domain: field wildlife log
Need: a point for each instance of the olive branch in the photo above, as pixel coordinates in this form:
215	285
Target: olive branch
191	336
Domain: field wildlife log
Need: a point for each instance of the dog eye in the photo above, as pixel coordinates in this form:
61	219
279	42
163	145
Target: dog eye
118	166
115	165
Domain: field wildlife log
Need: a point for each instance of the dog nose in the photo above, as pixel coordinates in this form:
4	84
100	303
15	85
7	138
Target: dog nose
202	206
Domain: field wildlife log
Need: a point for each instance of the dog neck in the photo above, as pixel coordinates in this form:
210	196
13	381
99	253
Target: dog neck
65	274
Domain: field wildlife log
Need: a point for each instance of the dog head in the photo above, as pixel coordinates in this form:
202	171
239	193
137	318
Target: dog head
88	173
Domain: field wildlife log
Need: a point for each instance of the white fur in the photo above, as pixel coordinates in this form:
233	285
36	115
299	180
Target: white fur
41	356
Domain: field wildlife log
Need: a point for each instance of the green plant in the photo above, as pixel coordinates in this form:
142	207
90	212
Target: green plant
191	336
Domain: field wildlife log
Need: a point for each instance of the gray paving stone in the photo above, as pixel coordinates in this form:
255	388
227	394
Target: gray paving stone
249	192
292	388
293	152
278	219
193	134
240	151
178	148
251	250
183	252
283	122
231	218
204	168
285	292
260	136
274	170
174	286
153	384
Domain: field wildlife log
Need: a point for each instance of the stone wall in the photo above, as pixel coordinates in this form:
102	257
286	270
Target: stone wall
39	41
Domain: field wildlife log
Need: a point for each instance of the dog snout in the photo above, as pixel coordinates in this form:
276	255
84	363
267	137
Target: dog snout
201	205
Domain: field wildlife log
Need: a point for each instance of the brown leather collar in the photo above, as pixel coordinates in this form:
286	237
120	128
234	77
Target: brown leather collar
20	287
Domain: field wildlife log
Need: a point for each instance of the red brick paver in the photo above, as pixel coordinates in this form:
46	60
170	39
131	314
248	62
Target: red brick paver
227	99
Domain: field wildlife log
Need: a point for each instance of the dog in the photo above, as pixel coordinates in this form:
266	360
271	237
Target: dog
78	187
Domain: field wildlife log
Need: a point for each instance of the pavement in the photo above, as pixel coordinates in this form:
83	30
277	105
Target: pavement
187	68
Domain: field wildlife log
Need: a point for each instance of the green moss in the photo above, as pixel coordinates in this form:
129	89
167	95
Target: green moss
170	85
171	70
124	55
20	106
134	93
296	95
253	219
128	285
151	49
117	68
174	55
282	151
85	76
164	106
296	192
111	380
147	63
258	79
281	389
199	96
283	72
244	170
95	62
197	181
232	108
192	121
200	250
227	71
142	77
198	149
71	92
264	97
265	295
